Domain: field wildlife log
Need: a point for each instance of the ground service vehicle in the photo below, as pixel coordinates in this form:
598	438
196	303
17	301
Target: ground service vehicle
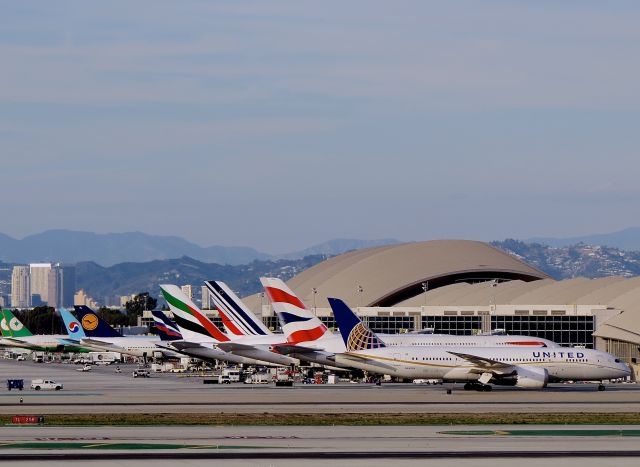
45	384
15	384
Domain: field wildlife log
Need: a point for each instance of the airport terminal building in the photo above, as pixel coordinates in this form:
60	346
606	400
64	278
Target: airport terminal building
468	287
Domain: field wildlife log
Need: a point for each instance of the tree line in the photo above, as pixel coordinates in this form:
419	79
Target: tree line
45	320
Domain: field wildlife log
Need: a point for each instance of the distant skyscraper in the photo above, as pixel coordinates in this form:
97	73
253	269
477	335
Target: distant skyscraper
20	287
206	304
188	291
39	273
67	277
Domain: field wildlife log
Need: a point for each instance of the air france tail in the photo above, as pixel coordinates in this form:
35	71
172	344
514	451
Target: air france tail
298	323
167	329
236	316
93	325
72	325
355	334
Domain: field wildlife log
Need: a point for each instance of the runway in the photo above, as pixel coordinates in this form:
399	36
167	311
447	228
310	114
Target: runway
405	445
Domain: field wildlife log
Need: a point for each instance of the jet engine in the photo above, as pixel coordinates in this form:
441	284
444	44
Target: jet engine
523	378
532	377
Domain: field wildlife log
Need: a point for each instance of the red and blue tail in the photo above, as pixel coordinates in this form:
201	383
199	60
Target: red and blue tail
298	323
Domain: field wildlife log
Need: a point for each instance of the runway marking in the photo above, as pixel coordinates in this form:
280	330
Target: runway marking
45	394
560	432
123	446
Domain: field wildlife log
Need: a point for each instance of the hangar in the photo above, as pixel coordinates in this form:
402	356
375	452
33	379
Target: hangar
466	287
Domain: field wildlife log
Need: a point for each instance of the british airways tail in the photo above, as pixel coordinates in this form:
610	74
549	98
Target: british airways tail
355	334
71	324
298	323
167	329
237	318
93	325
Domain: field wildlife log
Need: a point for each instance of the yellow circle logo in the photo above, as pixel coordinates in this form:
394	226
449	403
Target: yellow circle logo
90	322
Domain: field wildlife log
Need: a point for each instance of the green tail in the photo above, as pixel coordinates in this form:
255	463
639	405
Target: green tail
12	327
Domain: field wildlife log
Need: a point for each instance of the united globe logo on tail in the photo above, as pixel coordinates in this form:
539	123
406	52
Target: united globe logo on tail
362	338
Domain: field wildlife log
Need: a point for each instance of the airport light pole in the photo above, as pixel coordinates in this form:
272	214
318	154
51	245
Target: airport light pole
425	288
314	291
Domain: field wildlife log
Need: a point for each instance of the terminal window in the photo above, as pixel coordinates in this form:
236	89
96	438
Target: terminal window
455	325
564	330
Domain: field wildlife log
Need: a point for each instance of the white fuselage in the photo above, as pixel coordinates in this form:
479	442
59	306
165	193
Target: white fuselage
134	346
440	362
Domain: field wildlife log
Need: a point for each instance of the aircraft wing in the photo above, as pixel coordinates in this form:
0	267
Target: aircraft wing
287	349
235	347
364	359
185	345
483	363
101	344
18	342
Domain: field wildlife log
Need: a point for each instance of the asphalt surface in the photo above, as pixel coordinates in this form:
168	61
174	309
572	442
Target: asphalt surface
102	390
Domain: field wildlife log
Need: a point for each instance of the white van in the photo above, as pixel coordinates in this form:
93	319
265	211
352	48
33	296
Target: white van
45	384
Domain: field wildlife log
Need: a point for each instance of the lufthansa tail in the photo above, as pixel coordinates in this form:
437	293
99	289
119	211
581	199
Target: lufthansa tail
93	325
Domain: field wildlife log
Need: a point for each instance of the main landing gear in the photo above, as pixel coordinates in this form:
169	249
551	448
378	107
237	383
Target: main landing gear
601	387
477	387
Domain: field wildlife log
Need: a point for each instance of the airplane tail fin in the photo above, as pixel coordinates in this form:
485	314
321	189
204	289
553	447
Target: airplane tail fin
229	326
167	329
242	320
12	326
355	334
193	324
93	325
298	323
71	324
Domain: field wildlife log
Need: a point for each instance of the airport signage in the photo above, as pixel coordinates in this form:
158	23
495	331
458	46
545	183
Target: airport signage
27	419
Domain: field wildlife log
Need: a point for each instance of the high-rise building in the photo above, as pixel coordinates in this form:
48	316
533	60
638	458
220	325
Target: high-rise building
81	298
39	273
20	287
188	291
205	302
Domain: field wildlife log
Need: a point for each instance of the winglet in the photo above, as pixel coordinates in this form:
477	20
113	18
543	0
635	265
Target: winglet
355	334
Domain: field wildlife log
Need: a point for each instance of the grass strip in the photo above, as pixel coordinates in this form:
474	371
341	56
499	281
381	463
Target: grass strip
347	419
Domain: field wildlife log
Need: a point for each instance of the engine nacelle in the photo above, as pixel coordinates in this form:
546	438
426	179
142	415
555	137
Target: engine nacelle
532	377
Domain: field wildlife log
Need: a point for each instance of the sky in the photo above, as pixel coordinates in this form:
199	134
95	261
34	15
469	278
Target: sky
281	124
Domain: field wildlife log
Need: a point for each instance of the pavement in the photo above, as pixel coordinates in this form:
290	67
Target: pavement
102	390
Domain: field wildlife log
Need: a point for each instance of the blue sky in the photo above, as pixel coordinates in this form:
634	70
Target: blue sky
282	124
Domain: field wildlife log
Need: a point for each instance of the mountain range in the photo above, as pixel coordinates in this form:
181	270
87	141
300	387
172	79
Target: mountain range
626	239
70	246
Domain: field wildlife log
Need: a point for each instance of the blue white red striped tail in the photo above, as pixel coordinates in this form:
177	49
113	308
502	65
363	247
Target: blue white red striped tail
355	334
298	323
237	318
167	329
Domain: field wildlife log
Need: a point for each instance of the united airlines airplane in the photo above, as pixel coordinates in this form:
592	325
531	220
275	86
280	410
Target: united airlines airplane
478	368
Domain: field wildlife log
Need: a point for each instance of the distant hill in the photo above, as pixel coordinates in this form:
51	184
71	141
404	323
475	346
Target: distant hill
128	278
337	247
108	249
578	260
627	239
